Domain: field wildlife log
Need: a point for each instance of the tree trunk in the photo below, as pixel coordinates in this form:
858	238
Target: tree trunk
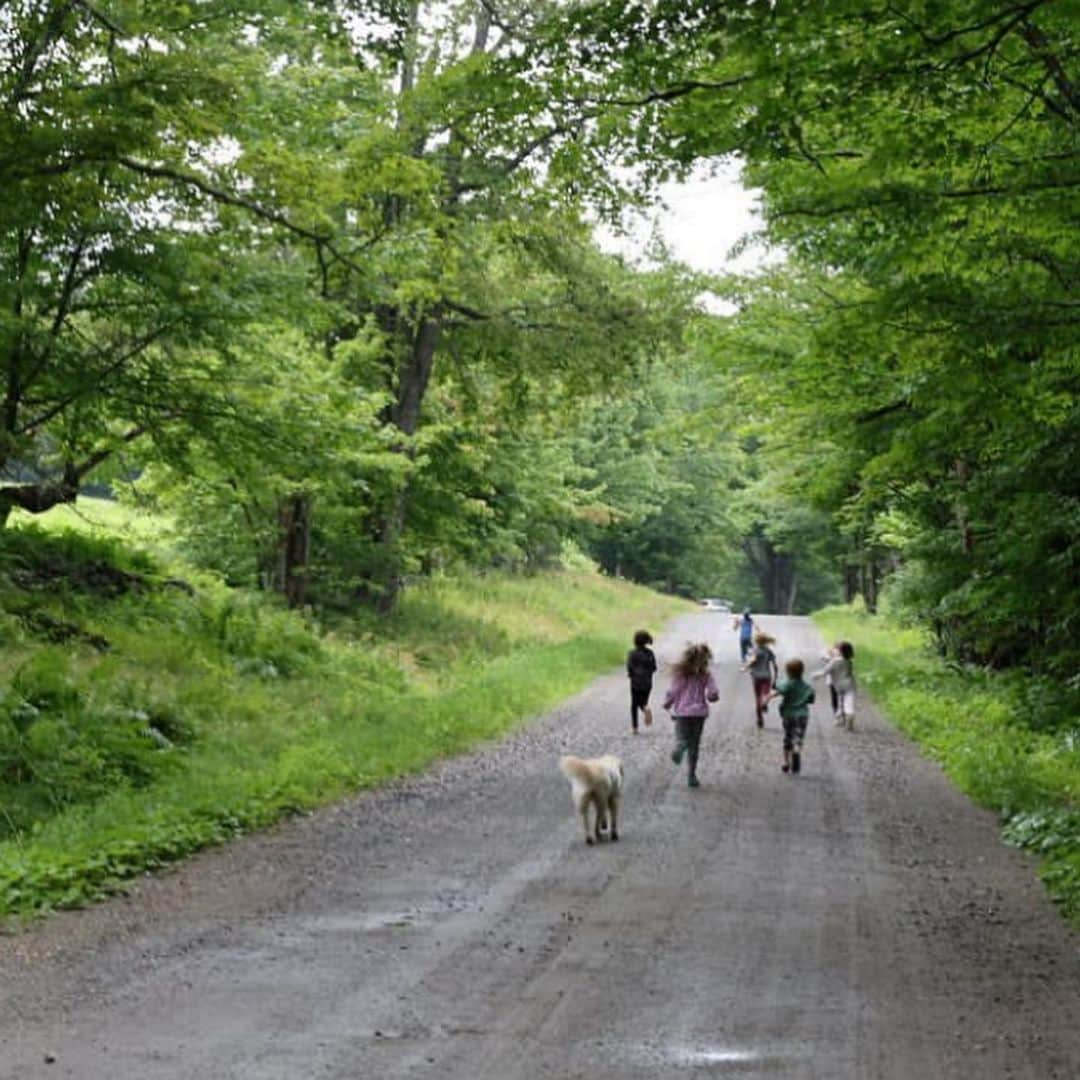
870	574
851	582
413	376
415	363
776	573
36	498
414	373
294	520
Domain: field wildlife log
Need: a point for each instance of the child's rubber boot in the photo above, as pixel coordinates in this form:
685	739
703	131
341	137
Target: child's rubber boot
796	762
692	781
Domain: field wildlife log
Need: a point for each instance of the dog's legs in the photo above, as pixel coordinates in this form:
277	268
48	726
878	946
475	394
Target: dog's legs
583	806
613	809
601	817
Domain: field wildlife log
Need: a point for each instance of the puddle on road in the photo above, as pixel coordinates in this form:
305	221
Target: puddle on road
365	922
368	921
717	1055
713	1060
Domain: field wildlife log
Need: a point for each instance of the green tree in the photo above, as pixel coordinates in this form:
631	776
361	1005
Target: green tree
130	249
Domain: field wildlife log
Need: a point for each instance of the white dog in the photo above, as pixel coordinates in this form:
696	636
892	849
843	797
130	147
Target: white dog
595	781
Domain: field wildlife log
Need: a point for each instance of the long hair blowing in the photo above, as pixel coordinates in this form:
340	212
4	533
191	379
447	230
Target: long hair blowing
694	661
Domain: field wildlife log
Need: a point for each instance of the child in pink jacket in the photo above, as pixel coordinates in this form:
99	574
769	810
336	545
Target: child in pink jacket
688	700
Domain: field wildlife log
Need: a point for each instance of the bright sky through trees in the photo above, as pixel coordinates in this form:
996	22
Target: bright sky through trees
700	220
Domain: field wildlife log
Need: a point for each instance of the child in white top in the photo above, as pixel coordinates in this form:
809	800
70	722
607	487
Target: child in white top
839	669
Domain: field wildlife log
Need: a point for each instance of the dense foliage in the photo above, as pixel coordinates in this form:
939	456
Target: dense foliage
914	365
322	276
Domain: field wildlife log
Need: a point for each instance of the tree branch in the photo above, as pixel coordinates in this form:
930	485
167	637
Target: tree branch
50	32
98	381
882	411
1039	44
669	93
38	497
507	166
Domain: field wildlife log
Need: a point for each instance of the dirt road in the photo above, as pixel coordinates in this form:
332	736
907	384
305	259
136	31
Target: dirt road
860	921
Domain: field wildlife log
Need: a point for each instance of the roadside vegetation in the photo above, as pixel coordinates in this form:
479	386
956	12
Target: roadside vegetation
1010	740
143	717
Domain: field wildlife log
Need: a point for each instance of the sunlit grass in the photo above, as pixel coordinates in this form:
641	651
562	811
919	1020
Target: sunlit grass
102	517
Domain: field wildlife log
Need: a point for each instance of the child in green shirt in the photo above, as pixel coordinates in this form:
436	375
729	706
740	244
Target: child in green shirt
796	697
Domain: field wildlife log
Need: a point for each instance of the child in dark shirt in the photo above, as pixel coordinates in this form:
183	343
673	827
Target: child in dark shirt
640	667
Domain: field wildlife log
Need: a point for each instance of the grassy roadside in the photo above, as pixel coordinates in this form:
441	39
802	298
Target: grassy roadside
140	722
1011	742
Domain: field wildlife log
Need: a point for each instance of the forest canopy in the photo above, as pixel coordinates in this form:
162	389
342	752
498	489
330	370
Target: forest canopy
322	279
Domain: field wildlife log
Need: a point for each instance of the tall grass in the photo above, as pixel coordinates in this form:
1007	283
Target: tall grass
1010	741
212	714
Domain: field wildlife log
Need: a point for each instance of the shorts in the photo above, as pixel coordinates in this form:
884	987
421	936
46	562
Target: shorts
639	696
794	731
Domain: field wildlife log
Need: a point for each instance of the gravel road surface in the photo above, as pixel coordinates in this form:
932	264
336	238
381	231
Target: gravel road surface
862	920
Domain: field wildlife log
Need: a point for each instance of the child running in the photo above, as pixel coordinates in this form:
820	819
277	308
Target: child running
796	696
839	670
762	667
640	667
688	700
744	623
833	697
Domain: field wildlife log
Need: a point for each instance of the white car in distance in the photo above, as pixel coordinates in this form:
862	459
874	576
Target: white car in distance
710	603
